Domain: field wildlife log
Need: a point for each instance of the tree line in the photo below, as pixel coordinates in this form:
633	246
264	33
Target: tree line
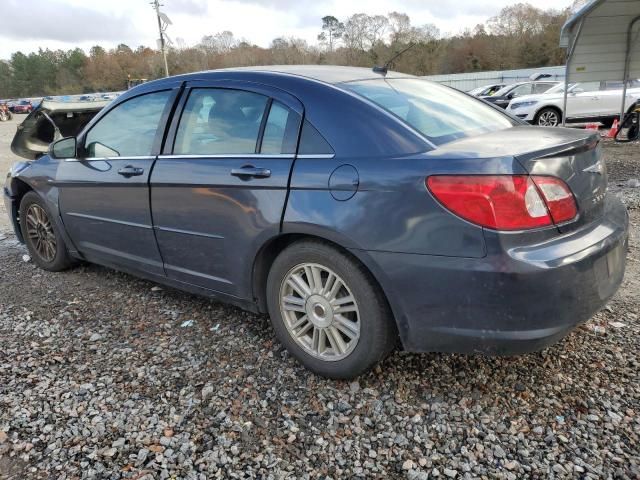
520	36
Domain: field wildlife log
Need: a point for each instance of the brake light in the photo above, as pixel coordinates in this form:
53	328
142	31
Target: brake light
505	202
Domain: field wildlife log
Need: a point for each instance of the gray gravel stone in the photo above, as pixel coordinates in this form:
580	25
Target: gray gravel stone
98	380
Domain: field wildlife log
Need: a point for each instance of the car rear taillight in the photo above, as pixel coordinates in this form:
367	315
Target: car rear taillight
558	197
505	202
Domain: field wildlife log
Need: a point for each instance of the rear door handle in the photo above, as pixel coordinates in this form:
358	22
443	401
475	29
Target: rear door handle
249	171
130	171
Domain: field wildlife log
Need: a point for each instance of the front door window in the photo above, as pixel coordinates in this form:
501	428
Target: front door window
129	129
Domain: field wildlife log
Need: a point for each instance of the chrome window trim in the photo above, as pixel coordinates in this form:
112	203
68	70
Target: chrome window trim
106	159
289	156
318	155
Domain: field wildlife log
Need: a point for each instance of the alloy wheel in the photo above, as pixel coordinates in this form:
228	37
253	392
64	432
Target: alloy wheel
40	232
548	118
319	311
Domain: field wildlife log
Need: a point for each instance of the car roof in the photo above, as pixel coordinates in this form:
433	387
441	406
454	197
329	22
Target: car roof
325	73
331	74
532	81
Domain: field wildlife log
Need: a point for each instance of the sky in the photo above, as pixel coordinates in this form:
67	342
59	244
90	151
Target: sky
30	24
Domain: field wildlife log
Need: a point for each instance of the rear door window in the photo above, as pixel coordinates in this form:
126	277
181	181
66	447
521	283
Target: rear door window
522	90
274	139
542	87
129	129
219	121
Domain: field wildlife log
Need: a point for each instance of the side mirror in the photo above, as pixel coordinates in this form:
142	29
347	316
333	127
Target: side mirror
65	148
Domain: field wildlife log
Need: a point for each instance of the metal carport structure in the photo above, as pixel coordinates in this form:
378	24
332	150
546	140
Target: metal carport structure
601	39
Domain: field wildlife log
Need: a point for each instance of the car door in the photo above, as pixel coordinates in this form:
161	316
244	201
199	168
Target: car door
611	98
583	100
220	186
104	193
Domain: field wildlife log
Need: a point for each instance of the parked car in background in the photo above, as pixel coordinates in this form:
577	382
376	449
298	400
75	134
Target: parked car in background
586	102
487	90
21	106
502	97
5	113
354	207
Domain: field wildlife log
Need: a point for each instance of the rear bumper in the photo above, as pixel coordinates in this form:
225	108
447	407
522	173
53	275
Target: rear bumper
516	302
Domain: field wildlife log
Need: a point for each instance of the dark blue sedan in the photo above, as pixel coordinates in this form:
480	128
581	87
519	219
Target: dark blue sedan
360	210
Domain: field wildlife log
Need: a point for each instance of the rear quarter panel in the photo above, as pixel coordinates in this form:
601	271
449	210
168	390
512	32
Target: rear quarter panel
392	210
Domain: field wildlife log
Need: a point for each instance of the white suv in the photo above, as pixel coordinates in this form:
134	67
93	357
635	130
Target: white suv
586	102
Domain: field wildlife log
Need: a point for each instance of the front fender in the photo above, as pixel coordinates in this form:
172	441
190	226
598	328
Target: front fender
39	176
14	189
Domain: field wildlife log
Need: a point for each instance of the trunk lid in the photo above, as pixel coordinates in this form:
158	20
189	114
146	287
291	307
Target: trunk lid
573	155
49	122
577	159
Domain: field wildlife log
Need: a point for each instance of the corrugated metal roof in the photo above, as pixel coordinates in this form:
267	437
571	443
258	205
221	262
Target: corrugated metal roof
599	36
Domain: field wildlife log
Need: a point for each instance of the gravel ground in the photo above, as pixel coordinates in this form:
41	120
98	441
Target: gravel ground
106	376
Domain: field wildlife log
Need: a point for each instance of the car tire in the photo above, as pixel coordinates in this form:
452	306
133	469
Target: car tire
548	117
40	233
355	334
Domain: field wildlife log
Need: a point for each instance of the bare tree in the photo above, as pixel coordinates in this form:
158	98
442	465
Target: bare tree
376	27
400	27
221	42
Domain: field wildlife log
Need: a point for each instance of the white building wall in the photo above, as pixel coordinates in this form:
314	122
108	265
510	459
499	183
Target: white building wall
471	80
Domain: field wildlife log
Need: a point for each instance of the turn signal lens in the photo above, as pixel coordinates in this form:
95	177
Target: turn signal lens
505	202
558	197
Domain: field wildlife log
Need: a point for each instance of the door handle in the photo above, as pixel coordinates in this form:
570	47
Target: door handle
130	171
248	171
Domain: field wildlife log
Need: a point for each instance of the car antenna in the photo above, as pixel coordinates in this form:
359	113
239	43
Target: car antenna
385	68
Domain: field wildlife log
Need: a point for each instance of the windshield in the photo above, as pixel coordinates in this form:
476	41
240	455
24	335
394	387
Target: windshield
440	113
506	89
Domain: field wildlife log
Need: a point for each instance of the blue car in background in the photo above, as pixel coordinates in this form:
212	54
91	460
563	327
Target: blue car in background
360	209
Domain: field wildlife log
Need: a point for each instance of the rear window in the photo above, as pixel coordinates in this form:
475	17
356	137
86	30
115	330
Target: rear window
440	113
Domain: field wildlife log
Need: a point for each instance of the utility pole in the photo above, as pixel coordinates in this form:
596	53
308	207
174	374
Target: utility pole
161	28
